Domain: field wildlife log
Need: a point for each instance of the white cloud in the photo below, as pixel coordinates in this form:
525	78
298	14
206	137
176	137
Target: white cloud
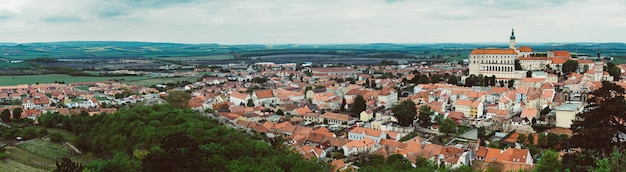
313	21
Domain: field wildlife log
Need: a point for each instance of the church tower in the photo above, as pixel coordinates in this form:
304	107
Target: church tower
512	40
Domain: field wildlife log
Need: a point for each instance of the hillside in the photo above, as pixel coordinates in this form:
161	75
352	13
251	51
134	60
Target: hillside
163	138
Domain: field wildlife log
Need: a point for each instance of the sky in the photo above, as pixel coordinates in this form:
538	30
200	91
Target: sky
313	21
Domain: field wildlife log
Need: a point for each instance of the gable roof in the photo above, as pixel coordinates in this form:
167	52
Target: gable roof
529	112
493	51
367	131
264	93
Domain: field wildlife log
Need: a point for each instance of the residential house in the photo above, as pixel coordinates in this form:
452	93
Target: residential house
354	147
463	106
239	98
566	113
366	115
359	133
336	118
264	97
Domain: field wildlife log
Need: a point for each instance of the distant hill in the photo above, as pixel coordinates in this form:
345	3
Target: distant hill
113	49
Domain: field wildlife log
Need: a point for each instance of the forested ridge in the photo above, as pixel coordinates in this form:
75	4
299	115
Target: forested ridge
164	138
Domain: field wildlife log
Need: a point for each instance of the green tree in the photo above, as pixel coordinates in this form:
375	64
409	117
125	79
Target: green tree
359	105
614	71
501	83
511	83
453	80
570	66
343	104
66	165
518	66
179	99
250	103
549	161
5	116
17	114
585	68
493	80
597	127
448	126
425	115
434	78
404	112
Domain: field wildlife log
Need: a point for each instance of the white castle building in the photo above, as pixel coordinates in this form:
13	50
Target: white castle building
498	61
501	62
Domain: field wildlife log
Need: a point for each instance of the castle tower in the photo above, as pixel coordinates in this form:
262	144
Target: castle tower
512	40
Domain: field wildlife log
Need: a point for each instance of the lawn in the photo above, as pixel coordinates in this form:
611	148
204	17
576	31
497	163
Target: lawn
9	165
45	149
51	78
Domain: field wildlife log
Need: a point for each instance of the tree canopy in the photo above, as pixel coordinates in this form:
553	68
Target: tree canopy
404	112
570	66
179	99
359	105
603	119
165	138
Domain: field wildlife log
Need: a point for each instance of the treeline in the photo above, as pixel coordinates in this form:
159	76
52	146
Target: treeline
164	138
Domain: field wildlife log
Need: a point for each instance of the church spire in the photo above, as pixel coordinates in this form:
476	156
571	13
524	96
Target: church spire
512	33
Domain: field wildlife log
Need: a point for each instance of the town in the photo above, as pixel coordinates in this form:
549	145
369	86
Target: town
496	109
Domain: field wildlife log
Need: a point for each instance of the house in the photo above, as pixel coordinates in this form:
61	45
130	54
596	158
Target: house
312	117
309	152
463	106
358	146
456	116
366	115
264	97
387	97
530	113
358	133
565	114
512	159
239	98
336	118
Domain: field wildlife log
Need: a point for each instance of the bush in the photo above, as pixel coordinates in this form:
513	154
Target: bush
56	137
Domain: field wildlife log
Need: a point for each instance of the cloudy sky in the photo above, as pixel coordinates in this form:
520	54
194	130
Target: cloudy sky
313	21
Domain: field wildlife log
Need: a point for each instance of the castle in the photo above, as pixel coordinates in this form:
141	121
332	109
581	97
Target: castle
500	62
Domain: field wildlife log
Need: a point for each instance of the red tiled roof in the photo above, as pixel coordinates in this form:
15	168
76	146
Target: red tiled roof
493	51
529	112
525	49
336	116
264	93
559	60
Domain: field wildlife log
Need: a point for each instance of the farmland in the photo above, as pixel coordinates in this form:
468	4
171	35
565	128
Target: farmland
51	78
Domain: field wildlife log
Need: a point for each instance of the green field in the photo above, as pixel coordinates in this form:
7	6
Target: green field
50	78
9	165
34	155
152	81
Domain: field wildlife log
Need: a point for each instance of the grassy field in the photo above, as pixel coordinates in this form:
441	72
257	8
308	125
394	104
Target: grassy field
153	81
50	78
41	155
34	155
9	165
